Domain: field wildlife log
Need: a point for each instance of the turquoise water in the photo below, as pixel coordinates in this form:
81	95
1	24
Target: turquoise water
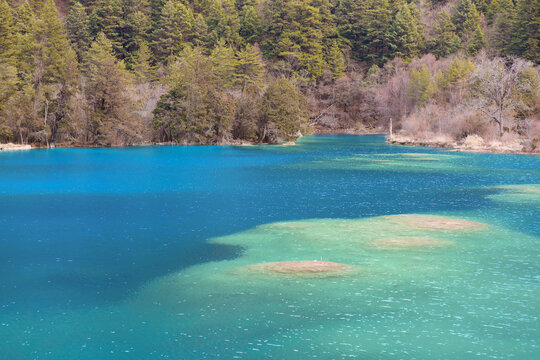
148	253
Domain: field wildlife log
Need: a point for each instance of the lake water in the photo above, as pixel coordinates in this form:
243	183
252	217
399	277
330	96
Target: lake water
146	252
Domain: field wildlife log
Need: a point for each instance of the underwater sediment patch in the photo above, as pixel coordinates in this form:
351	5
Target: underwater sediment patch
433	222
309	267
409	242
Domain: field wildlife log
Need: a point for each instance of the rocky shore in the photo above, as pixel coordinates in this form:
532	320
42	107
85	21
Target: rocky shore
14	147
472	143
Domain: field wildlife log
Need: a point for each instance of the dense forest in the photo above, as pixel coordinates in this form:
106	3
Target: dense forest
123	72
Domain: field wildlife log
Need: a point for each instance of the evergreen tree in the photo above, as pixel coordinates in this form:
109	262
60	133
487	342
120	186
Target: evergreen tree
405	34
335	59
477	42
78	27
420	86
481	5
295	34
7	32
501	37
249	67
466	17
365	24
107	17
8	72
142	67
24	53
200	32
25	18
526	30
174	30
51	42
444	40
195	110
224	63
136	26
250	23
283	112
109	120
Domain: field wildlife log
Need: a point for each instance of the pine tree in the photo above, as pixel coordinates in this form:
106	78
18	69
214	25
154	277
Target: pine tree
224	63
250	23
466	17
365	24
109	120
420	86
7	32
195	110
405	34
137	25
477	42
283	112
526	30
200	32
249	67
107	17
295	34
444	40
25	18
335	59
78	27
8	72
52	44
481	5
142	67
501	37
174	30
24	53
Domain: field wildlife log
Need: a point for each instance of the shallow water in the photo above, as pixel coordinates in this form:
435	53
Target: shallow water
145	253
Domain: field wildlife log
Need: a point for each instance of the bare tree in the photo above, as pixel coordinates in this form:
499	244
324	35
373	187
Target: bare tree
497	82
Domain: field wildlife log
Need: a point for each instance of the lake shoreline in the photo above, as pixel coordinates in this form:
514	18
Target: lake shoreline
472	144
477	145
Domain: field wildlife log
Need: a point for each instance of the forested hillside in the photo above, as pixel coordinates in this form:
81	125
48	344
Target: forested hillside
122	72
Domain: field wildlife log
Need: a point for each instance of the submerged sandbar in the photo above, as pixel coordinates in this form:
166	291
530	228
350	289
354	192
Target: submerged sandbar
409	242
310	267
433	222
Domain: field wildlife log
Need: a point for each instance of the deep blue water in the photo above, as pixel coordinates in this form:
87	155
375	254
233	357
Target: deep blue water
85	229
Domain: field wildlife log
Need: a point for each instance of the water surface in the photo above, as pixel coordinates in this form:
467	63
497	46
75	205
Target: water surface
140	253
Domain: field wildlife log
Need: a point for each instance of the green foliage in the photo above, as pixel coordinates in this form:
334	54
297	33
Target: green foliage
527	93
526	30
106	17
224	63
249	69
477	42
502	25
283	112
420	86
481	5
365	24
201	36
459	71
466	18
7	32
142	66
195	110
174	30
295	34
78	27
406	34
109	119
250	24
445	40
